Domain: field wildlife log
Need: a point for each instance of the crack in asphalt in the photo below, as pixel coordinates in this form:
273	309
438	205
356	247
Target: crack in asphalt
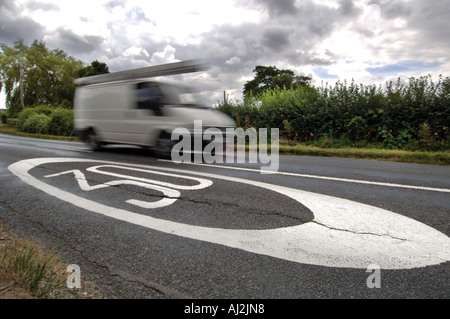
357	232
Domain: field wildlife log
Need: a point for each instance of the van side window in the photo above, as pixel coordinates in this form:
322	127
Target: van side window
149	97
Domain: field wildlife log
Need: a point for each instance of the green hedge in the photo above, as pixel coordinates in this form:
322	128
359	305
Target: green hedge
61	122
45	119
36	123
412	116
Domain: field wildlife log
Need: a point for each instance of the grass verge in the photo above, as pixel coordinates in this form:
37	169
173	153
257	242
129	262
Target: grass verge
6	129
28	271
434	158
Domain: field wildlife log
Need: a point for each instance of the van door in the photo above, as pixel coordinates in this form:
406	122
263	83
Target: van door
144	112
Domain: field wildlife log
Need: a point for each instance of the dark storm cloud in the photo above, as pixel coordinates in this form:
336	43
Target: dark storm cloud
348	8
224	42
279	7
235	50
428	21
431	19
391	9
74	43
14	26
276	38
320	20
284	40
287	36
309	58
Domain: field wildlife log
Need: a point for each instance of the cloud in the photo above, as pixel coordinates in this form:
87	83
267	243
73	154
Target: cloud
411	30
233	61
165	56
74	43
111	5
136	53
393	9
330	39
348	8
45	6
14	26
278	8
285	34
431	22
276	38
137	15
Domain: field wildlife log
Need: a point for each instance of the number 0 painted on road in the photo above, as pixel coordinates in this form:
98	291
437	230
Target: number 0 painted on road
343	233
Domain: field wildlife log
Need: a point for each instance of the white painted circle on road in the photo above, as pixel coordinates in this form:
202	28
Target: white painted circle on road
343	233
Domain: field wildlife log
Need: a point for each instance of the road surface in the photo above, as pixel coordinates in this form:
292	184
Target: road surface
142	227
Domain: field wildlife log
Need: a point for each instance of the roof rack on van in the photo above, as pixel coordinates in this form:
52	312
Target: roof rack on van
187	66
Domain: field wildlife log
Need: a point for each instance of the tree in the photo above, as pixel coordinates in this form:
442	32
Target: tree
36	75
269	77
94	69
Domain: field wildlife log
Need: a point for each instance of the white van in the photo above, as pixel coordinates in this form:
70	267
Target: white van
138	112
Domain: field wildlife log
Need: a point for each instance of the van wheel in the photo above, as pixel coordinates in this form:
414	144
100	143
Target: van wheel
93	141
164	146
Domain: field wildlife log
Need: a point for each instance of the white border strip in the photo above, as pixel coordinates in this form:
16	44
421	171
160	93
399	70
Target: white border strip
432	189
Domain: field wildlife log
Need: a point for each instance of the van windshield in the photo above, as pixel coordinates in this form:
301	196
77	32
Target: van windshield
178	95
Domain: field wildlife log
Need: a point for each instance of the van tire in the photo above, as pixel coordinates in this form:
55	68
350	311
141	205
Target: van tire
93	141
164	146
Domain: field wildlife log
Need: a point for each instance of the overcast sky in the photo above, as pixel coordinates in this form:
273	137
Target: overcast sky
370	41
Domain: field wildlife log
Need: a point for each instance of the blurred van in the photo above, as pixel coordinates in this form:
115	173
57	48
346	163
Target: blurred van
120	109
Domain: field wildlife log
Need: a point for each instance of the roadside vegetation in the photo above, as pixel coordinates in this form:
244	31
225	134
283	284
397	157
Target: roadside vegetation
28	271
43	120
414	116
400	121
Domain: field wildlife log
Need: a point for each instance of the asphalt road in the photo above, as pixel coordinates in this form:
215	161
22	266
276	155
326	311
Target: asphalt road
140	227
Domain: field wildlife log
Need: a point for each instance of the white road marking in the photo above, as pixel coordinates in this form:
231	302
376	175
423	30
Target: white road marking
202	183
171	194
343	233
338	179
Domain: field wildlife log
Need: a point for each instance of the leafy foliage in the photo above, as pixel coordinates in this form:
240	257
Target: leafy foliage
95	68
47	75
45	119
410	116
61	122
270	77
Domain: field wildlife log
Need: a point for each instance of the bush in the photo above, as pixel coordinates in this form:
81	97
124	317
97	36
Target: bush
12	122
45	119
3	118
61	122
44	109
36	123
23	117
